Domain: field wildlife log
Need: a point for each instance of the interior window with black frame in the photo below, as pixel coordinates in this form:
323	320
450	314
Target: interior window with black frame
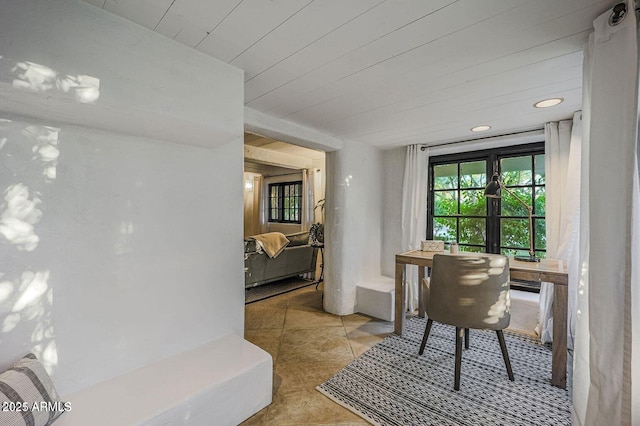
459	212
285	202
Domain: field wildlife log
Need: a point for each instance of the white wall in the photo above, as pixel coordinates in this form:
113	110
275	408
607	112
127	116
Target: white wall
118	248
353	223
393	174
168	91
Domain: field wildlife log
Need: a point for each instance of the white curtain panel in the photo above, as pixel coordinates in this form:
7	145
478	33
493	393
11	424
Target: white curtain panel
264	206
606	375
414	214
308	199
562	168
318	195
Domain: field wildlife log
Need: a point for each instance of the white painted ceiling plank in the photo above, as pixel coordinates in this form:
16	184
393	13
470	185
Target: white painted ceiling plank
250	21
418	87
424	81
426	31
98	3
519	102
375	23
408	83
311	23
409	65
466	96
515	103
189	21
498	116
343	108
143	12
386	73
456	130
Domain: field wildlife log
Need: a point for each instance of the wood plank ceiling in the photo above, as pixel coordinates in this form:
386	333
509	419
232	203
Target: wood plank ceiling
390	72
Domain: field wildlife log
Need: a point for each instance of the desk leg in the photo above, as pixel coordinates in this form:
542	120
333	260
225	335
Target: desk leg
422	302
559	346
400	308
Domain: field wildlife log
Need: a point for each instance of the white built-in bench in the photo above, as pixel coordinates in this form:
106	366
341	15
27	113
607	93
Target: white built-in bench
375	297
525	307
223	383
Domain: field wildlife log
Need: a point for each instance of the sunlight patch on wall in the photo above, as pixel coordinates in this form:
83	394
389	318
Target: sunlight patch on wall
28	167
41	78
45	148
19	214
32	287
6	288
27	302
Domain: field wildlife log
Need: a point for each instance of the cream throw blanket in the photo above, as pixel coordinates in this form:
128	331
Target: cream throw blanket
272	243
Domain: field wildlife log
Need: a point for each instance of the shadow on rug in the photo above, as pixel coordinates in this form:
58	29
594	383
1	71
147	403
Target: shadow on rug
261	292
391	384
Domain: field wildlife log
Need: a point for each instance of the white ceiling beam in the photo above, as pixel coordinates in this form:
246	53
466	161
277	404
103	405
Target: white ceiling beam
286	131
275	158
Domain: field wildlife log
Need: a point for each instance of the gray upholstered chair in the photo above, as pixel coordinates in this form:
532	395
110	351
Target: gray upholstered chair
469	291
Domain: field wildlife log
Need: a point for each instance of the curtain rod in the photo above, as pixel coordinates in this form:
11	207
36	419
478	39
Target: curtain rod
423	147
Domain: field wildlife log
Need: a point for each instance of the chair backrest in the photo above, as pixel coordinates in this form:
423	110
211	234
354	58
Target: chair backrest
470	291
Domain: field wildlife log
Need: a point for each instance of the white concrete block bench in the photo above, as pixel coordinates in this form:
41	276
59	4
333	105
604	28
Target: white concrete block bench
223	383
525	307
375	297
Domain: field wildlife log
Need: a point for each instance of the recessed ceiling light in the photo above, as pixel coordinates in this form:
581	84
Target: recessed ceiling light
480	128
548	103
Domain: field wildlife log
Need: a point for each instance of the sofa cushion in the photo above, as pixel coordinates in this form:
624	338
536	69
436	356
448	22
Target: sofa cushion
298	239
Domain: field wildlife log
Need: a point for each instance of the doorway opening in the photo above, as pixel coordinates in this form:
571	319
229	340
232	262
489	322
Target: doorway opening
284	192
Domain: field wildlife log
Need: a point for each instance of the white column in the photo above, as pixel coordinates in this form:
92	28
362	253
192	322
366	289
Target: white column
353	223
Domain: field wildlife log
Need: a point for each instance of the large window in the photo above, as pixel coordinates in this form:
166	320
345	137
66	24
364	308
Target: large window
285	202
459	211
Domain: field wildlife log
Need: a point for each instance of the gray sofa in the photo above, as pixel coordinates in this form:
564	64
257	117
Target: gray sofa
298	258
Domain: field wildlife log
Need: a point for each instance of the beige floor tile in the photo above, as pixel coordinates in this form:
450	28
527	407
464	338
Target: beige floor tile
308	346
307	297
259	316
267	339
304	317
257	419
361	319
314	345
303	407
382	328
306	375
280	301
362	338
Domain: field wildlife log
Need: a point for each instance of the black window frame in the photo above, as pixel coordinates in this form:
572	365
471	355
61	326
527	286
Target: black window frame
280	199
493	206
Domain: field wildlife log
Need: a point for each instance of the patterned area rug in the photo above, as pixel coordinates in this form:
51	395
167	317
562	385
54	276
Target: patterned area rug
391	384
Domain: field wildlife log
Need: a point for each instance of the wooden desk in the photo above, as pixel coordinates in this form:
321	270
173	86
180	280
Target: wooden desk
547	270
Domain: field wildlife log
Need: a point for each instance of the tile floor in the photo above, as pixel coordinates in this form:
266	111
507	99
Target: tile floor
308	345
